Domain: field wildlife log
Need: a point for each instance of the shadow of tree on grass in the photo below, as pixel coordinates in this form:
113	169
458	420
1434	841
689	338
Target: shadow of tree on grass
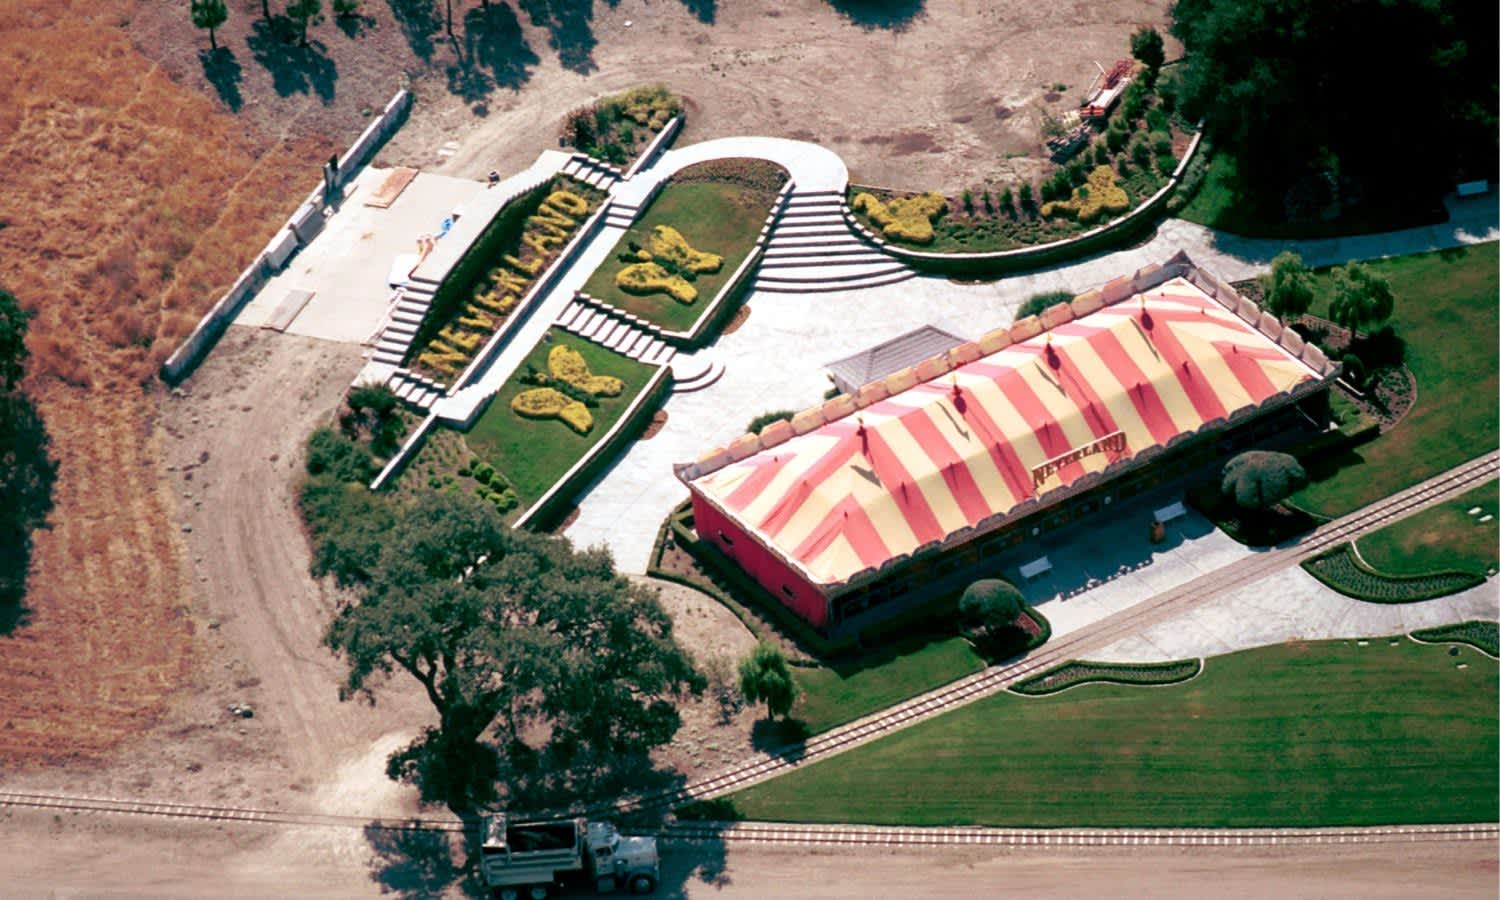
888	15
494	54
27	474
569	25
294	69
419	21
223	72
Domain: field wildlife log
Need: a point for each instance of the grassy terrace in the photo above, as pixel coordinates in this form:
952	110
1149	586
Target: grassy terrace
1297	734
1447	314
837	694
1442	538
715	216
533	453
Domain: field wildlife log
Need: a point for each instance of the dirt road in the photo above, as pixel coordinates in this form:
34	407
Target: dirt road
936	103
125	858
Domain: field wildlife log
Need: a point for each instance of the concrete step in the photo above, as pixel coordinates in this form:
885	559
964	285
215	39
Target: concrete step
406	329
597	326
796	195
844	238
780	264
387	357
658	353
829	248
573	311
586	322
703	377
821	273
407	315
830	207
572	166
795	229
774	285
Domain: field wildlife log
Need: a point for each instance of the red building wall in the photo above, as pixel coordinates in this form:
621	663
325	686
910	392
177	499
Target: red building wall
779	579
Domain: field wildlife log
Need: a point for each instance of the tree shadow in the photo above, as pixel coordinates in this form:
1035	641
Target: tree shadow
223	72
294	69
887	15
355	25
704	10
419	21
569	29
27	475
784	737
411	863
494	54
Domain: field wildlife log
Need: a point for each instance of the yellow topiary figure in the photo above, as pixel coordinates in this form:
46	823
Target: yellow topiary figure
668	244
649	278
907	219
567	364
547	403
1100	195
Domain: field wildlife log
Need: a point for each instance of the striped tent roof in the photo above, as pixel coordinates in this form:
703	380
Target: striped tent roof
978	441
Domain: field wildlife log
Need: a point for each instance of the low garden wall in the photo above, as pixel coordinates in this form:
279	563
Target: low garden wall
550	509
655	148
300	228
1000	262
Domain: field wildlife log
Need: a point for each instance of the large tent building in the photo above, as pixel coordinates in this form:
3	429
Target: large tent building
910	485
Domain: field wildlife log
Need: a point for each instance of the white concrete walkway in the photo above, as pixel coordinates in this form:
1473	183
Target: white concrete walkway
1292	605
813	167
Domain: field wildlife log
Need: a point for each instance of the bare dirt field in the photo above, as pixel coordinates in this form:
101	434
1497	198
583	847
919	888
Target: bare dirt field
76	856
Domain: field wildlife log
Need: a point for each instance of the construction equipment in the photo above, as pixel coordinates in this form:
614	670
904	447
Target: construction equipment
526	860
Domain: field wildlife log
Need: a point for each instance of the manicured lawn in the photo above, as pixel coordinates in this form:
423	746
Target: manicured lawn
1446	311
1319	733
833	696
715	217
1226	202
1441	538
533	453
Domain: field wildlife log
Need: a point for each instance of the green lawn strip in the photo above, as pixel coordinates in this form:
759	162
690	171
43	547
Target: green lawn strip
533	454
1440	538
1226	202
1346	573
833	695
1323	733
1476	633
1082	671
714	217
1447	314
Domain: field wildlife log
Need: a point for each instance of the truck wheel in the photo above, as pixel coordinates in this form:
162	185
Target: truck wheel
642	884
538	892
508	893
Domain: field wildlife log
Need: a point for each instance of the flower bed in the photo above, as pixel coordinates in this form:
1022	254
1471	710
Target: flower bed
618	127
524	239
1346	573
1480	634
1078	672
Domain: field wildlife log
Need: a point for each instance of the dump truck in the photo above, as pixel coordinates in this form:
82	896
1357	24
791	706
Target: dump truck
525	860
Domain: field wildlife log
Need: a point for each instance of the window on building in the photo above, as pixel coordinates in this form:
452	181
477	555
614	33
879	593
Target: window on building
728	541
787	590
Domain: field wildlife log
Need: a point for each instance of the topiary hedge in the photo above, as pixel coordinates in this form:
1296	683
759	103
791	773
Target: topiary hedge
1343	570
1483	635
1076	672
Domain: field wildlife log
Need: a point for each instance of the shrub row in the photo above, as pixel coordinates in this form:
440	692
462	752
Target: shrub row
1346	573
1484	635
1079	672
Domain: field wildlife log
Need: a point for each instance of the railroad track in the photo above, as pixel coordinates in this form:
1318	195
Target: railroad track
994	679
917	709
765	833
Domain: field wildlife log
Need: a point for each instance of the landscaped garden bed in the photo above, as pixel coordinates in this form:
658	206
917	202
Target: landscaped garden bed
1483	635
489	282
1446	317
1125	163
689	243
618	128
1343	570
1071	674
1296	735
514	458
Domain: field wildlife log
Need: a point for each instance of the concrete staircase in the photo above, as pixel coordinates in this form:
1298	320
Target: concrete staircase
691	374
813	250
417	391
592	172
622	333
412	303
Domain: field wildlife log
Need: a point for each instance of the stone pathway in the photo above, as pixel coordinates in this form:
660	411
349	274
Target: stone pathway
1291	605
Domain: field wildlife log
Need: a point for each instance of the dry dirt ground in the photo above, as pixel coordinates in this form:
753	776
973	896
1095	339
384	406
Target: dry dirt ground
78	857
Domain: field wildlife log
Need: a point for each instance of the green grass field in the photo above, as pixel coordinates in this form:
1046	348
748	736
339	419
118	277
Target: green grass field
832	696
1442	538
1321	733
533	453
1446	311
715	217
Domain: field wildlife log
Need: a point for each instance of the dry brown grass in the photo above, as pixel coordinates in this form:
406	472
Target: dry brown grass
130	204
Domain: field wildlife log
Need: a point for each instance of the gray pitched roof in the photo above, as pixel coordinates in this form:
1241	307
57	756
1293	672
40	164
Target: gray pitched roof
851	372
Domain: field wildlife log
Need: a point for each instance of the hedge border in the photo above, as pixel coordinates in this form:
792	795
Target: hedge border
1466	580
1456	634
1119	673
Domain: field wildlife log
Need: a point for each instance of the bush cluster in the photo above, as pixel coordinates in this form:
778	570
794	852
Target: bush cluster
1342	571
669	264
547	403
1100	195
907	219
1083	672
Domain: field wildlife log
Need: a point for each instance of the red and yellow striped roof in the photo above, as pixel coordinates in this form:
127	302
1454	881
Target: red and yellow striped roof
1008	427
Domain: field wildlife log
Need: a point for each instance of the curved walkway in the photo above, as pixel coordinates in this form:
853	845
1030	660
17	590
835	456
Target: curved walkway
811	166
